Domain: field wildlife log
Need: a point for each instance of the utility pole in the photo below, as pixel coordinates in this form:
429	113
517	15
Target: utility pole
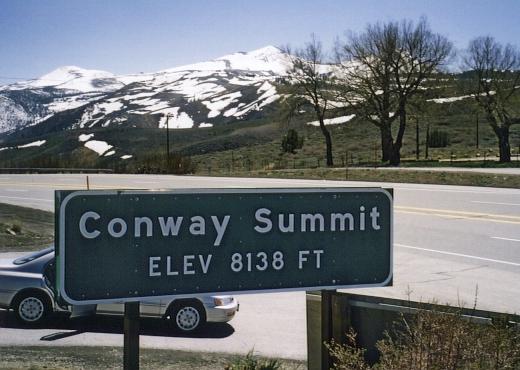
417	138
427	140
168	115
477	130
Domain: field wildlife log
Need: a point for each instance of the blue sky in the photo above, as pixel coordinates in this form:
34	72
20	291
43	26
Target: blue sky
129	36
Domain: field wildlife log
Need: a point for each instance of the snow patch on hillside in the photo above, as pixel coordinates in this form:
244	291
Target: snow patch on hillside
457	98
333	121
217	104
98	146
136	96
29	145
73	78
174	119
34	143
85	137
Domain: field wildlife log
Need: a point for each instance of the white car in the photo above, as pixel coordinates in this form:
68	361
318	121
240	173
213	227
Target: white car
27	287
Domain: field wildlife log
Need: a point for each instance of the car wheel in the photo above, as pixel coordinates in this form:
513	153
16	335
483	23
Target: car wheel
188	316
31	308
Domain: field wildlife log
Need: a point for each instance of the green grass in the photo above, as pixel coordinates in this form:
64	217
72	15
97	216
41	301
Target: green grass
39	358
358	143
32	229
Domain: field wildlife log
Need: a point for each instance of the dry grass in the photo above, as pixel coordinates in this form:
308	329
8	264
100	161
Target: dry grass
437	340
39	358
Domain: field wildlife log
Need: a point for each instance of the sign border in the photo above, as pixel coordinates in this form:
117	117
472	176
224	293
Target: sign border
195	191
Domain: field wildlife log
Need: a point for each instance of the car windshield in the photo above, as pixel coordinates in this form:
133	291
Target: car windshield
33	256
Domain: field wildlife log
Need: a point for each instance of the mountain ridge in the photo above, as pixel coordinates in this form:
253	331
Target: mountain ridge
229	87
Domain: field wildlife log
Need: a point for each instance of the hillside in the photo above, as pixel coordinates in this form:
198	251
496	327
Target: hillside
225	114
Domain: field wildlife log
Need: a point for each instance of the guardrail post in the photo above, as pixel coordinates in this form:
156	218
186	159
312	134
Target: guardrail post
326	326
321	315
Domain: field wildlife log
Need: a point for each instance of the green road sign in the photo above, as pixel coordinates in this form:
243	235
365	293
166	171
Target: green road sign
130	245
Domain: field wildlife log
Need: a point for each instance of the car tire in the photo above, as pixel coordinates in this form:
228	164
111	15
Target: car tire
187	316
31	308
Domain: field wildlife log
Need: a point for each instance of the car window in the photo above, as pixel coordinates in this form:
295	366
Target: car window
33	256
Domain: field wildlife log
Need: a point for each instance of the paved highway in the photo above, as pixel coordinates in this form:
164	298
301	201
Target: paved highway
449	243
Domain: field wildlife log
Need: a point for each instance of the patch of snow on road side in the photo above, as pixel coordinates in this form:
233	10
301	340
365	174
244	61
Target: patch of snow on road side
34	143
205	125
333	121
126	156
85	137
108	154
98	146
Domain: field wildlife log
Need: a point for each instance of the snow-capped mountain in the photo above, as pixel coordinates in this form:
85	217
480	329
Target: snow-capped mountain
71	78
231	87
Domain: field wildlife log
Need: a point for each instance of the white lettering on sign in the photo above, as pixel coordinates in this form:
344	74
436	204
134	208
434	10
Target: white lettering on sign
185	265
302	257
144	226
259	216
83	225
153	266
121	226
92	224
171	226
316	222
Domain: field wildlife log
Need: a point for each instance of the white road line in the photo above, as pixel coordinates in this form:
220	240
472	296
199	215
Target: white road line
459	255
498	203
27	199
508	239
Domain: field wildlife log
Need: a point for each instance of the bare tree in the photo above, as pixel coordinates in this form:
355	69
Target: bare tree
383	68
495	81
309	77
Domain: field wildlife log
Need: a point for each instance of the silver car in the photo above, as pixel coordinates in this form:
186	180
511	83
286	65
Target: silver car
26	286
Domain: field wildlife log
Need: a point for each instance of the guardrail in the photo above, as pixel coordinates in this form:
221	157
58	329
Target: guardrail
54	170
330	314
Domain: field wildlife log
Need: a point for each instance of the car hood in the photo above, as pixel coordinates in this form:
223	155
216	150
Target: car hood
6	263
